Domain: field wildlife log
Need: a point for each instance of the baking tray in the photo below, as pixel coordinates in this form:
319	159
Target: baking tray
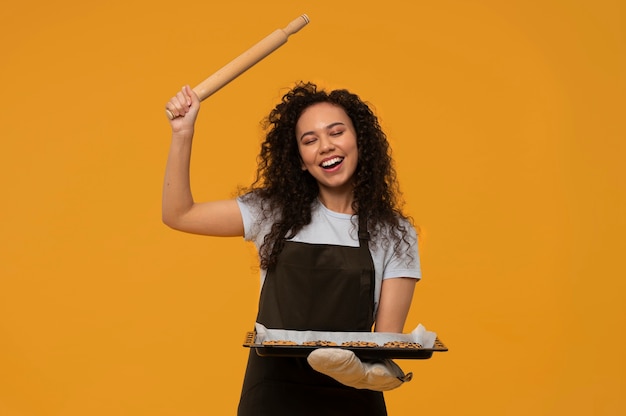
361	352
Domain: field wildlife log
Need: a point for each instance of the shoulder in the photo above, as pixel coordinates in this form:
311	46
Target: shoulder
396	250
403	230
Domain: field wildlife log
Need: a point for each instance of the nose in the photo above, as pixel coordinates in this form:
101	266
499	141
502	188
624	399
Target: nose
326	144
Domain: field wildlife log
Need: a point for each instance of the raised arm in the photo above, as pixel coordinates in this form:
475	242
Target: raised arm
179	210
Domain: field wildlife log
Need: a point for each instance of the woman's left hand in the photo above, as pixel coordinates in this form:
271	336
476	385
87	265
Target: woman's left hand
345	367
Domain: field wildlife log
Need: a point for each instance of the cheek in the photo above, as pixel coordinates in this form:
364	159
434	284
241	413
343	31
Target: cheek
303	158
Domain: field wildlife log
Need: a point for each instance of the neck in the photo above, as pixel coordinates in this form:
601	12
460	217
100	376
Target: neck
337	202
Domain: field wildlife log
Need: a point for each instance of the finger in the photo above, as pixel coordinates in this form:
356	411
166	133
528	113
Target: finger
188	94
178	105
193	96
182	103
174	108
171	110
183	100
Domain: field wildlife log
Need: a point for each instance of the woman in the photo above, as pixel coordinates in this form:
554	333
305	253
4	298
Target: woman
336	252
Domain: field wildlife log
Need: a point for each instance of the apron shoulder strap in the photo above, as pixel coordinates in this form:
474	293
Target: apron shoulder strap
364	235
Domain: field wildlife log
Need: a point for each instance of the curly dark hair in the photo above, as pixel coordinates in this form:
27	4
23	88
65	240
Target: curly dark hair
287	192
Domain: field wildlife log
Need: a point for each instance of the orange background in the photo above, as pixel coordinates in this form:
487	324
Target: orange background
504	119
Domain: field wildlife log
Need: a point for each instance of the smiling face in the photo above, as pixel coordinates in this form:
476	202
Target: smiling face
328	146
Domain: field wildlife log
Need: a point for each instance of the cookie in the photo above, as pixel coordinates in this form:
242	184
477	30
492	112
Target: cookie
279	342
319	343
359	344
402	344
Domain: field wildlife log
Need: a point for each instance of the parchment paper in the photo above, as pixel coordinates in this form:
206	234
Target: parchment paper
419	335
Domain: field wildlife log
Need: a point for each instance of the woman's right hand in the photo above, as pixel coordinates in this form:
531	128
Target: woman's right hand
185	106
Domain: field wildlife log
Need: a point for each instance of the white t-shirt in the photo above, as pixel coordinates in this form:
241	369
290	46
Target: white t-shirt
329	227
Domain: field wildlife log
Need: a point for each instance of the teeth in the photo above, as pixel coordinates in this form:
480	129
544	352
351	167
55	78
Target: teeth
331	162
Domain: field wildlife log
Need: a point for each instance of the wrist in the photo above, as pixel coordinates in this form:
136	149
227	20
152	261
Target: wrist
184	134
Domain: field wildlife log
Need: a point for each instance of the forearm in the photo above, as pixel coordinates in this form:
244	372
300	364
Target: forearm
177	195
395	301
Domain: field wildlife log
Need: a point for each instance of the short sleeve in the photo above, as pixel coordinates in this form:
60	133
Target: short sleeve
247	218
255	225
404	260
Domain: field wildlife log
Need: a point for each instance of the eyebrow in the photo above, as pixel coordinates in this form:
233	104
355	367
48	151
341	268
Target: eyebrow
330	126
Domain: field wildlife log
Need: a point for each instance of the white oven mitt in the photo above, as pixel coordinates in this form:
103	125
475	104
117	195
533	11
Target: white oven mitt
345	367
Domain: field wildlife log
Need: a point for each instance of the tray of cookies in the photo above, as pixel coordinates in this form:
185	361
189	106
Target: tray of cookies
419	344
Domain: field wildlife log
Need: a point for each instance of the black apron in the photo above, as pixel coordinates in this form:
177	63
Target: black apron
316	287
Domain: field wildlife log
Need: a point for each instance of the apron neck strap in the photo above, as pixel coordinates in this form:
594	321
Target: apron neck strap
364	235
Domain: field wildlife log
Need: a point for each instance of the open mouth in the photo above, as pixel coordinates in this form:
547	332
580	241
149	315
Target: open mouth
331	163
